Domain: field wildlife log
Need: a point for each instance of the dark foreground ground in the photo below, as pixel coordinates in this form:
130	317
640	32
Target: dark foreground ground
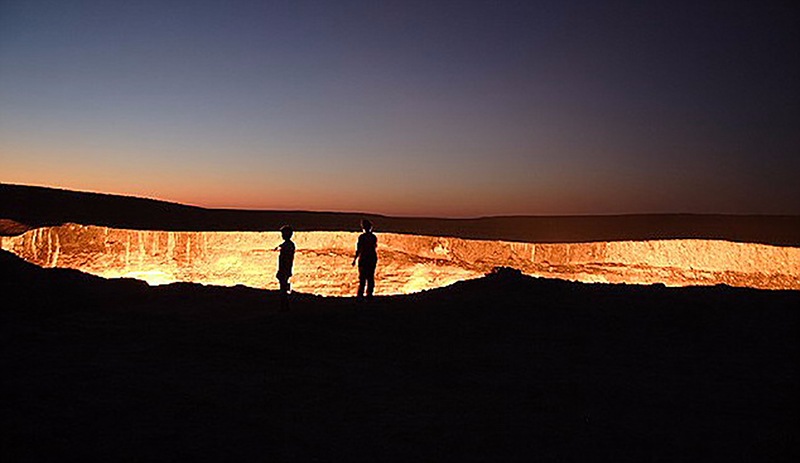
502	368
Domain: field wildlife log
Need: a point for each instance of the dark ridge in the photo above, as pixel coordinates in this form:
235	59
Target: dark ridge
40	206
503	368
10	227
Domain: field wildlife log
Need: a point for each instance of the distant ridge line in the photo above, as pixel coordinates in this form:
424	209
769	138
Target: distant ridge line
38	206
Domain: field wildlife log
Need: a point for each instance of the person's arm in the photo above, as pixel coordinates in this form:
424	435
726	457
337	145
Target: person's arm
358	251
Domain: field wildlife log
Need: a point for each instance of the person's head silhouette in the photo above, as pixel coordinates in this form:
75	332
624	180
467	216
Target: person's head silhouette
286	232
366	225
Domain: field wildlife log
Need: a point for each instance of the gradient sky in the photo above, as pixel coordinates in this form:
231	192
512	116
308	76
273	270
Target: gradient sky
448	108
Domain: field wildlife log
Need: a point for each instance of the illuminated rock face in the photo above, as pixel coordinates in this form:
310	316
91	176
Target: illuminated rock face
407	263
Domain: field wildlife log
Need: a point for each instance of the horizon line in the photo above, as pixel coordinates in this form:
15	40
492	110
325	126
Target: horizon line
385	215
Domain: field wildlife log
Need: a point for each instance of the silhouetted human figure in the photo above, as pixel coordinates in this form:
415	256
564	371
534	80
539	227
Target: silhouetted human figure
367	257
285	262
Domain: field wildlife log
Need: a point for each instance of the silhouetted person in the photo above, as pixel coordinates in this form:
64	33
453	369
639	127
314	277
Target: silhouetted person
285	262
367	257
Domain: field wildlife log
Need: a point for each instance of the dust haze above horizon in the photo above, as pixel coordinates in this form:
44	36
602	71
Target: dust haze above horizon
418	108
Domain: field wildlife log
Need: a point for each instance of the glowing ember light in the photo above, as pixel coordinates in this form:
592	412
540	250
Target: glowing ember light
407	263
152	277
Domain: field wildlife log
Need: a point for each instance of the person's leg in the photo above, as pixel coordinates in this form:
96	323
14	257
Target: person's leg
371	279
361	281
284	293
363	278
371	282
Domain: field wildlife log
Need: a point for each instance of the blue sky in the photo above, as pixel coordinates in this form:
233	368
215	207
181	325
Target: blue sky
416	108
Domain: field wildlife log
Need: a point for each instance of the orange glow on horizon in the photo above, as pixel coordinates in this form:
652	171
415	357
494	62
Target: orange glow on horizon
216	196
253	189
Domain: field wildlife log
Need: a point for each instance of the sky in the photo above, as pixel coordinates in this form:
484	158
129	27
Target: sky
427	108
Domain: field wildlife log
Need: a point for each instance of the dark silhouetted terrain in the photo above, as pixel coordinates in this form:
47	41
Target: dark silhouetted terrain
501	368
39	206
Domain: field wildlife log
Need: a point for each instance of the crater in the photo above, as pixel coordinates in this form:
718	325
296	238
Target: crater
407	263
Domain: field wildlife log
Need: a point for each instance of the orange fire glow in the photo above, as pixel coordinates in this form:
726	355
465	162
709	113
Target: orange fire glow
407	263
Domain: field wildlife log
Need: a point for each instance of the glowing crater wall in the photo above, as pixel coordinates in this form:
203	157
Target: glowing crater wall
407	263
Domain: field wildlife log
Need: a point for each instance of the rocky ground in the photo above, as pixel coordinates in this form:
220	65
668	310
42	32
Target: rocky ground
500	368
